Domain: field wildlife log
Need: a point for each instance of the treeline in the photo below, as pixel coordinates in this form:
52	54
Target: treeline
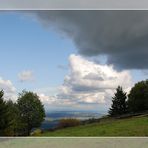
136	101
19	118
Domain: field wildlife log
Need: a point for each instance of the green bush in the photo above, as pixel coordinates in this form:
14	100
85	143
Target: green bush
63	123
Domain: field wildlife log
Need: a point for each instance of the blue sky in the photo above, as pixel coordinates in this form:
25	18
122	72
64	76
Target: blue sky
27	45
58	70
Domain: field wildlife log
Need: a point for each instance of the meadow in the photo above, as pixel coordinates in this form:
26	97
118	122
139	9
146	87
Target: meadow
133	126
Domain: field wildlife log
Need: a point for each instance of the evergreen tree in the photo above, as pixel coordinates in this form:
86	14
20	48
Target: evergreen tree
10	118
119	105
16	126
4	120
2	113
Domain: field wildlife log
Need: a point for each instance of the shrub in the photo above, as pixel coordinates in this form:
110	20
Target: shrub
63	123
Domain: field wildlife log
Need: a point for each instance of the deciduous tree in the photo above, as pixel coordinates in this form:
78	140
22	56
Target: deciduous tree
31	110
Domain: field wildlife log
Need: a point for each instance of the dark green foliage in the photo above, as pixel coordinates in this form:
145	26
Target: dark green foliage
16	126
3	114
6	117
119	105
9	117
17	119
10	130
138	97
31	110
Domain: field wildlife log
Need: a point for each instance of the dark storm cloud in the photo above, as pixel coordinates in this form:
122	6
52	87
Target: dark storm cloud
120	35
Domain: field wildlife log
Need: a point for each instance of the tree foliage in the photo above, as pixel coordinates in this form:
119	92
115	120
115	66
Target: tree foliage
16	126
138	97
31	110
17	119
119	105
6	117
3	114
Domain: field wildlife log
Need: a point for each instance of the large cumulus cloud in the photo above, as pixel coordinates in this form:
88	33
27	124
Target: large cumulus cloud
120	35
88	83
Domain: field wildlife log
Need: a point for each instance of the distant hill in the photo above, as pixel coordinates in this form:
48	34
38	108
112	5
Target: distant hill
73	114
53	117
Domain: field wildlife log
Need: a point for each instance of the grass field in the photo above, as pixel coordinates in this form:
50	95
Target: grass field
134	126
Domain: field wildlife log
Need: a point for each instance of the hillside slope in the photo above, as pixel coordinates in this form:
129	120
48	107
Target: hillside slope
133	126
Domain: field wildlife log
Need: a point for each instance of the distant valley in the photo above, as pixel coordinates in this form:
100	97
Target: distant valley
52	118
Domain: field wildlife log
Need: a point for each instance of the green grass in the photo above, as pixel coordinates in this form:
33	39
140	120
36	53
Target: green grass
134	126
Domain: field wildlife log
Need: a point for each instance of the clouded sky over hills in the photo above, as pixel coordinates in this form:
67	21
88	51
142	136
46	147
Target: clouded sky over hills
72	59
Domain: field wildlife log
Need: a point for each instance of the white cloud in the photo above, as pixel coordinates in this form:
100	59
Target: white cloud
9	89
87	84
26	75
46	99
47	95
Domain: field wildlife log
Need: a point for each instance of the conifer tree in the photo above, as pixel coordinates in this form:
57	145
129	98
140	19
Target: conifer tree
3	114
119	105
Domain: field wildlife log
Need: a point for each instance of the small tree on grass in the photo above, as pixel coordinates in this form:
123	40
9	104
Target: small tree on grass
31	110
119	105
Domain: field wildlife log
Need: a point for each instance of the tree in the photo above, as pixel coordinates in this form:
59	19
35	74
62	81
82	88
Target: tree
9	131
16	126
5	121
2	113
31	110
119	105
138	97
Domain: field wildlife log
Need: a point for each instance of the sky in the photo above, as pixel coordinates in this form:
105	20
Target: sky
73	60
